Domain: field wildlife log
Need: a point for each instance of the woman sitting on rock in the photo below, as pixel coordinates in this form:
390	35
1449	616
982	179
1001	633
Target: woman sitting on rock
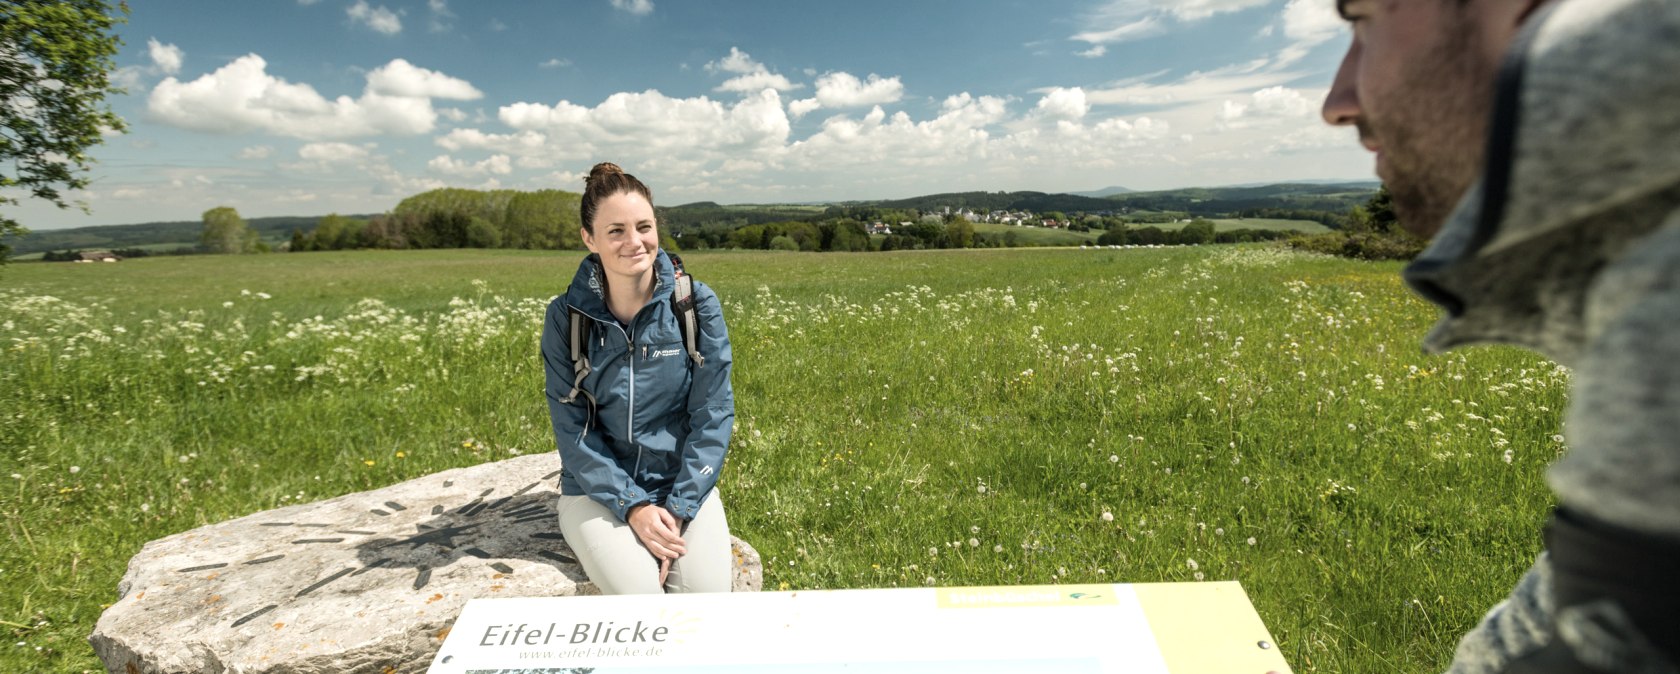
642	416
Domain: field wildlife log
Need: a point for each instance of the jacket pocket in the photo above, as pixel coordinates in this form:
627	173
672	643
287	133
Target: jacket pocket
662	380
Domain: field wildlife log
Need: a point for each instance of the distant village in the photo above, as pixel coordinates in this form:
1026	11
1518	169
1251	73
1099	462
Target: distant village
1015	218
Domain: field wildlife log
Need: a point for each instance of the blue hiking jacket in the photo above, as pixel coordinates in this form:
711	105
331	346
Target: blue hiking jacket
661	424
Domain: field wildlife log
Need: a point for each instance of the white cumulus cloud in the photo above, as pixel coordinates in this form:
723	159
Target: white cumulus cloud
845	90
757	82
1309	23
1064	104
637	7
380	19
1266	107
751	76
647	129
242	97
401	78
256	152
737	61
335	153
1094	52
499	164
166	57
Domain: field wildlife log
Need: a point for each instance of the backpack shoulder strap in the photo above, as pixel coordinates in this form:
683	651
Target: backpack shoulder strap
682	304
580	324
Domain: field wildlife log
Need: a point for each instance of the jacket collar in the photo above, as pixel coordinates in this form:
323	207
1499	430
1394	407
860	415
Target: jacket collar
588	291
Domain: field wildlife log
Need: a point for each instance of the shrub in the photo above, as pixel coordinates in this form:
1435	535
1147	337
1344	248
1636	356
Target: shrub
1361	245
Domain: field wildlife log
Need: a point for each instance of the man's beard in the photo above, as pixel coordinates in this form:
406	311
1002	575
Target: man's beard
1433	141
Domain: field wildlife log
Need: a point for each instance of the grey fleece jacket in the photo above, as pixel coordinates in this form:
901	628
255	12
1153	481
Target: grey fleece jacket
1570	245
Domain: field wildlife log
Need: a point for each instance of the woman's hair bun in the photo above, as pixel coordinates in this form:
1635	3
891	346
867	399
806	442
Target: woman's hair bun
605	180
603	170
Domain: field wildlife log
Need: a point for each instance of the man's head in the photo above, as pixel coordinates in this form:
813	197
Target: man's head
1418	83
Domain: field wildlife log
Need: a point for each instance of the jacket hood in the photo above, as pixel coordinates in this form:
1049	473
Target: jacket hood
1583	159
588	291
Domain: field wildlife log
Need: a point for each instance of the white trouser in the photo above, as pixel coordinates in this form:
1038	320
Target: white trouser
617	562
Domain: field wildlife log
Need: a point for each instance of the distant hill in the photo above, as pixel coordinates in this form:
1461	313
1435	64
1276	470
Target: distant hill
676	218
1037	202
1104	192
183	232
1196	201
1320	201
1331	197
1372	184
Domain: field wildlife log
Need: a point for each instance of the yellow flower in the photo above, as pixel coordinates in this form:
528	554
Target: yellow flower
401	455
368	461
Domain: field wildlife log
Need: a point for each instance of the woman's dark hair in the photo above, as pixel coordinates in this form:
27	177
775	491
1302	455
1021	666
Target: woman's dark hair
605	180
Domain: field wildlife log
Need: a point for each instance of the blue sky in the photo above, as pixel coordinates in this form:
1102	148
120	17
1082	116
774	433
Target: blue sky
305	107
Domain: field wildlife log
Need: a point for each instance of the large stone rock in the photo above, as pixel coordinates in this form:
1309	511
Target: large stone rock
369	582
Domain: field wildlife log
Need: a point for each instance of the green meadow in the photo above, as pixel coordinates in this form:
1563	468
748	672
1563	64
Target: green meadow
965	417
1306	226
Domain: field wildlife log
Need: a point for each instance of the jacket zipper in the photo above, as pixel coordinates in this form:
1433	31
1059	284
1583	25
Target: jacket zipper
630	350
630	419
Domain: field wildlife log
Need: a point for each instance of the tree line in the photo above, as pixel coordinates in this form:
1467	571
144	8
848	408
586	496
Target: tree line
456	218
547	219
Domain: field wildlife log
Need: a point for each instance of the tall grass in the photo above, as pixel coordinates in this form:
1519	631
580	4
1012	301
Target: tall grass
903	419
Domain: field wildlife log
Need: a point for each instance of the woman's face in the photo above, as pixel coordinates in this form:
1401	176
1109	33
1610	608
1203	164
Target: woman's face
626	236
